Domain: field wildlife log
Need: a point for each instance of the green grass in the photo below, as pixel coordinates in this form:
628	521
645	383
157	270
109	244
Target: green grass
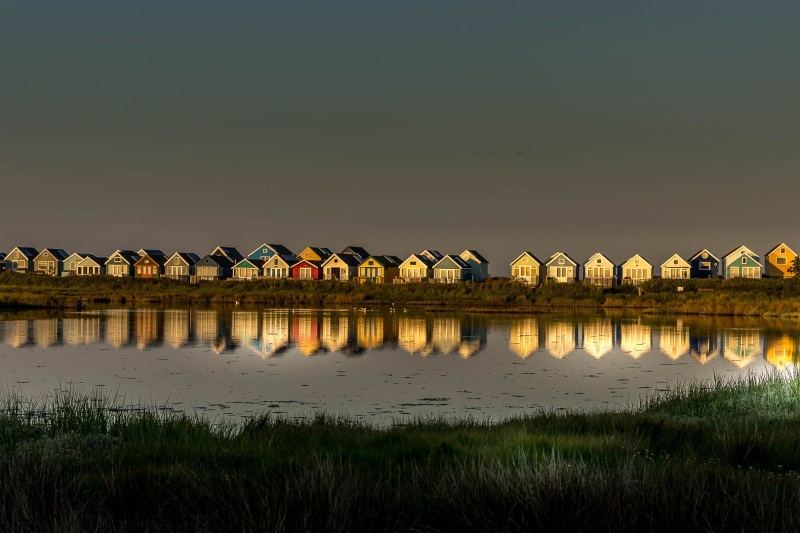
713	456
734	297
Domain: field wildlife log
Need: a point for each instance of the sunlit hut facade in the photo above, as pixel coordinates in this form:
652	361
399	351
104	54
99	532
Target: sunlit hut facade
600	270
527	268
778	261
636	270
524	337
561	268
741	262
415	269
635	338
674	341
20	259
121	263
561	338
379	269
50	262
279	266
781	351
91	266
341	267
248	269
414	334
675	267
742	346
598	337
451	269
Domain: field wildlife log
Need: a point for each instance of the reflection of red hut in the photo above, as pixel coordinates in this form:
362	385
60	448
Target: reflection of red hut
306	270
305	332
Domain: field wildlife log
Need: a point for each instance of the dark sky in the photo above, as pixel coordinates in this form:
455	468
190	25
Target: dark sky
622	127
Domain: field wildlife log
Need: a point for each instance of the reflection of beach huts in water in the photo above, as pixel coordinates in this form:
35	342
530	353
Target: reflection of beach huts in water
338	332
561	338
177	327
674	341
206	326
473	337
781	352
742	346
635	338
147	328
598	337
370	332
414	335
18	333
245	327
703	345
118	327
446	334
81	330
46	332
305	332
275	337
524	337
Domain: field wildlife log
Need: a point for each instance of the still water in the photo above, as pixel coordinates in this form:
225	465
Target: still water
382	365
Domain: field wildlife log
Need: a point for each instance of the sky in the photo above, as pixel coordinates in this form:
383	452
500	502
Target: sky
621	127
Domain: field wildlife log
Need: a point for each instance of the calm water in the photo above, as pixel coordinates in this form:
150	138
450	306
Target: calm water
379	364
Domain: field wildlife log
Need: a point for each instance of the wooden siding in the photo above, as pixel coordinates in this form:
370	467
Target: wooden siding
527	269
636	270
600	270
778	261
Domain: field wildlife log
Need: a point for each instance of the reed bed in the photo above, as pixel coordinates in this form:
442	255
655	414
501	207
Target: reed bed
718	455
734	297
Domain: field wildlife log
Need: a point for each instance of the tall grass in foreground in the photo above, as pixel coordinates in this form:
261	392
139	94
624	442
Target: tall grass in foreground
720	455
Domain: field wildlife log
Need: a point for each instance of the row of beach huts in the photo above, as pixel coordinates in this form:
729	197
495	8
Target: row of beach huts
268	261
354	263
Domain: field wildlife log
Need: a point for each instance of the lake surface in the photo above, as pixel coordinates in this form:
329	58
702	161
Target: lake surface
382	365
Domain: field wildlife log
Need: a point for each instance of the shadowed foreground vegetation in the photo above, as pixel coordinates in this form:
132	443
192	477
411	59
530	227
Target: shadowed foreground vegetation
716	457
739	297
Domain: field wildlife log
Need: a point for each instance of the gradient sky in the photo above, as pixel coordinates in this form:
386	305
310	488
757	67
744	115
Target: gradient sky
622	127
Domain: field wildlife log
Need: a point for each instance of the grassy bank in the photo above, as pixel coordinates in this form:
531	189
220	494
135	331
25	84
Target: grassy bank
723	297
722	457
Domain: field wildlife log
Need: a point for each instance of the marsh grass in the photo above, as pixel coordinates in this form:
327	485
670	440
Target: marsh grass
719	455
733	297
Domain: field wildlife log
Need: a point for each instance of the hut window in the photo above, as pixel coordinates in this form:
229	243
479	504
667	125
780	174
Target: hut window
705	265
780	260
264	251
598	260
413	263
744	260
675	262
561	261
705	255
783	250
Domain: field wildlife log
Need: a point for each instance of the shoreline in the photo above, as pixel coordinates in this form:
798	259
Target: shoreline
737	297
